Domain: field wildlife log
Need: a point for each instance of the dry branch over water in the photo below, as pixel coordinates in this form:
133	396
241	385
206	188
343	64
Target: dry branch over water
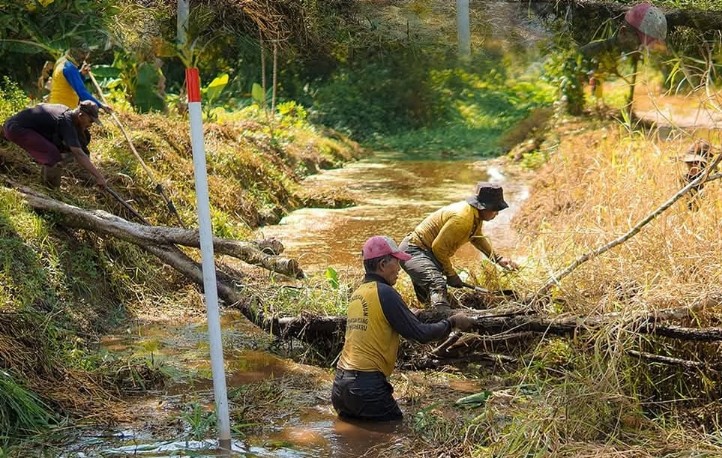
144	236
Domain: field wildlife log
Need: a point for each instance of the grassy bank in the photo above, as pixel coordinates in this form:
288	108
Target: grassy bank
62	289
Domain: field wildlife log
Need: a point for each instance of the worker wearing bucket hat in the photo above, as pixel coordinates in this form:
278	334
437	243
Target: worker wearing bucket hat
435	240
696	158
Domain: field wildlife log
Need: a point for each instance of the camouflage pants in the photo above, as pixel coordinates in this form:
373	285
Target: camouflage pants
426	275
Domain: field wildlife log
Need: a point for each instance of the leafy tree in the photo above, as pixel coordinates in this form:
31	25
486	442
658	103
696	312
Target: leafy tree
34	31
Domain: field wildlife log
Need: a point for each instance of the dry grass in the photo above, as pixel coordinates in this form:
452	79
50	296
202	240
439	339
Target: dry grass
595	400
596	187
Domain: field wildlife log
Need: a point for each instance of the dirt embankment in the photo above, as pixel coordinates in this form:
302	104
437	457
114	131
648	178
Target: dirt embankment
60	289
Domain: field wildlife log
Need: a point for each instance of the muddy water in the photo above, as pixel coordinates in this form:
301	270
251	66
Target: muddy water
392	196
311	430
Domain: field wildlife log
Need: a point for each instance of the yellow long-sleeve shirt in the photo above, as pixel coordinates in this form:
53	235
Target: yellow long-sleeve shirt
447	229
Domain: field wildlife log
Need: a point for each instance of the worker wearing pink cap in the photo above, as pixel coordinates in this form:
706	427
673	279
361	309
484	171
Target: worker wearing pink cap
377	317
644	25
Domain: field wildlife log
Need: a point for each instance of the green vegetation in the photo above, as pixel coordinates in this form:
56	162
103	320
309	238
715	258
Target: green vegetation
391	80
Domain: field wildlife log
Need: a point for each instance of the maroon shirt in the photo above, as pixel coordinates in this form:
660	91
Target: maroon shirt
52	121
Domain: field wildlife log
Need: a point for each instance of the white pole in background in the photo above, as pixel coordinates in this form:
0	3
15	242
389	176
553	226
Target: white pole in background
209	267
463	28
182	22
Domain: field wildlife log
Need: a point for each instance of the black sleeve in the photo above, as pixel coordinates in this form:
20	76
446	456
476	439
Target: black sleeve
404	322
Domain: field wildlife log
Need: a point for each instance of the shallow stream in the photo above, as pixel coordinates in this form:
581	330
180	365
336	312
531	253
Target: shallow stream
392	196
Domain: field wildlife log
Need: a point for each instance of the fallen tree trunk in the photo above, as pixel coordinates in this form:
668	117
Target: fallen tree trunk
108	224
489	323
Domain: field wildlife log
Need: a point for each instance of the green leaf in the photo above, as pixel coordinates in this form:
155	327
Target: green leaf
259	96
105	71
214	89
474	400
332	277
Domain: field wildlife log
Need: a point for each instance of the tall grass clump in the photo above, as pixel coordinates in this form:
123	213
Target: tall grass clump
12	98
21	412
603	397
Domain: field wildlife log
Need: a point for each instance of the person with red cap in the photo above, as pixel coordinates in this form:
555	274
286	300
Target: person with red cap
377	317
644	26
435	240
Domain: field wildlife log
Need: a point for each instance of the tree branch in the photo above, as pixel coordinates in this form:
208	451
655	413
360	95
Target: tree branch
108	224
558	276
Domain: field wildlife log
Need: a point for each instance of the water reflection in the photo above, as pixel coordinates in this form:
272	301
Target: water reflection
322	432
392	196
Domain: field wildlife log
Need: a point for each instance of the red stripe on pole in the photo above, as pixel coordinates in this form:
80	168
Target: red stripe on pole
193	85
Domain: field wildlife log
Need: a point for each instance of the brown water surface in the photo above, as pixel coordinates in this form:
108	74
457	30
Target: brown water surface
392	198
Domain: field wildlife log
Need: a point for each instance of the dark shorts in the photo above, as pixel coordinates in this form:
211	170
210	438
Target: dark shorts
364	396
43	151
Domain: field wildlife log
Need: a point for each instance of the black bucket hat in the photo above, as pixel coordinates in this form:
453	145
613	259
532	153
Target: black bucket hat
488	196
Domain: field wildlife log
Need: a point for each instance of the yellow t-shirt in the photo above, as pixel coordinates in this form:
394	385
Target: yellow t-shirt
377	317
60	90
371	343
447	229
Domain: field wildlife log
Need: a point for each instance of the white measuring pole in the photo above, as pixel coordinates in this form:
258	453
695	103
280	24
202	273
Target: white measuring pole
193	85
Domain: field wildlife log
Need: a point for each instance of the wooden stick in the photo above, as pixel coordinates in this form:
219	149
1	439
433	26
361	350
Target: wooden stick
158	186
667	360
558	276
441	349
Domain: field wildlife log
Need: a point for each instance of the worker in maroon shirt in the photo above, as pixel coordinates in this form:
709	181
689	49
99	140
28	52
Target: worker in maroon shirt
50	132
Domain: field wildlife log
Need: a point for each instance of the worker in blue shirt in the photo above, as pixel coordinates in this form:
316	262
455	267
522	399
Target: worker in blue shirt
67	86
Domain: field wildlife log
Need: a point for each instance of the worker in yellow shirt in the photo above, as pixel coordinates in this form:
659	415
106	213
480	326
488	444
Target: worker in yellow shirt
377	317
67	85
435	240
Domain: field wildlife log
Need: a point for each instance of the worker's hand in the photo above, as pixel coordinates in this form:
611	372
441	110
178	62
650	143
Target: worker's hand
101	183
107	108
85	69
507	264
455	281
461	322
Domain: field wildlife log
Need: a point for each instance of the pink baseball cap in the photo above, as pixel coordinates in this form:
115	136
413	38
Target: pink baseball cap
649	23
380	245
